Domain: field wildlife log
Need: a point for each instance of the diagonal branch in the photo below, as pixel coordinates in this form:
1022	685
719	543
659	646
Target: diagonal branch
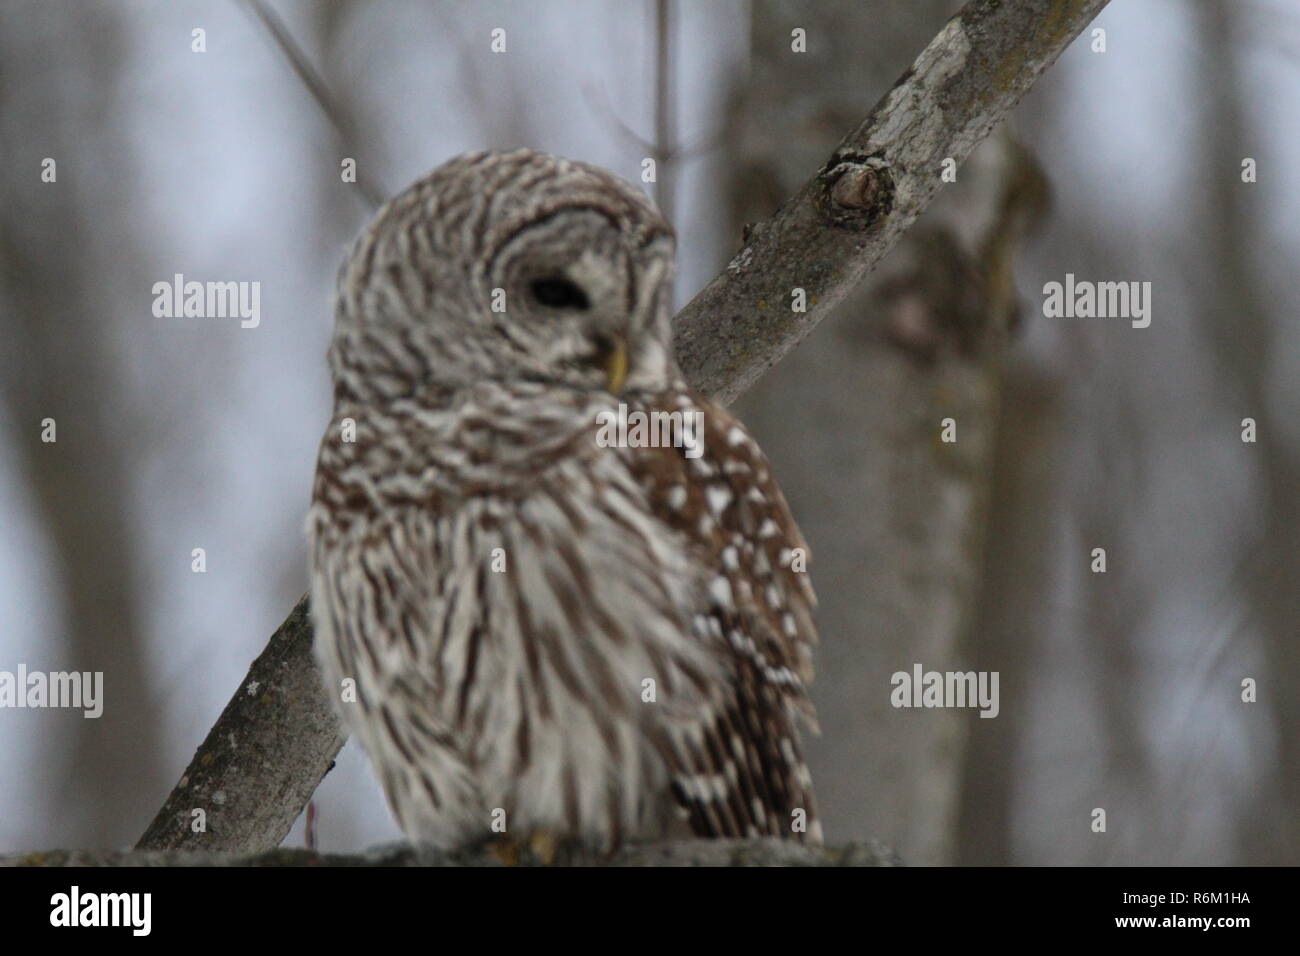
269	749
262	759
881	177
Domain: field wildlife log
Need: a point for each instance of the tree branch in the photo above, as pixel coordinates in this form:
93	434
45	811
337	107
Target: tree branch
828	237
263	758
271	746
764	852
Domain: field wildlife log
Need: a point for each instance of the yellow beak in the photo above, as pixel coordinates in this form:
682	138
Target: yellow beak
616	366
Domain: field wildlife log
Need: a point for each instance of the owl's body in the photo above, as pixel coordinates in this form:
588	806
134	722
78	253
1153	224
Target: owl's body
544	632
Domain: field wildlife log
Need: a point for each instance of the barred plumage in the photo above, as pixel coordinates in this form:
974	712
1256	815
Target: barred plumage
499	586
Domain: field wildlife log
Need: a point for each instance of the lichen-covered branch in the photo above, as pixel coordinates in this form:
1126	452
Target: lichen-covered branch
764	852
262	759
278	736
827	237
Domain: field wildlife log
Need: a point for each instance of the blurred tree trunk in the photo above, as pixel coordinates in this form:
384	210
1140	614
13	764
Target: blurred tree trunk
852	419
1240	328
1017	584
59	268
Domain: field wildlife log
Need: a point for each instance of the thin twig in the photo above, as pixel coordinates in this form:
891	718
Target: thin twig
665	118
333	110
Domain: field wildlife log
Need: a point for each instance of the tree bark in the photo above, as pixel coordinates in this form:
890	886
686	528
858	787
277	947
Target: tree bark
263	758
763	852
59	272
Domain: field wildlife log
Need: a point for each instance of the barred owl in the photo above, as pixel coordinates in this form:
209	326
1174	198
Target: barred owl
546	632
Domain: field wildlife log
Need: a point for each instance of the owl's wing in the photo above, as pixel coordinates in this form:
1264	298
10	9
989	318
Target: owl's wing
739	770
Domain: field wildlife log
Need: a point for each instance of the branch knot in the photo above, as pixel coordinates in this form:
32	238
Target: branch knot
860	190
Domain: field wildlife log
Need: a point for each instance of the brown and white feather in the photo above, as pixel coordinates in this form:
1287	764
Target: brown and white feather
496	586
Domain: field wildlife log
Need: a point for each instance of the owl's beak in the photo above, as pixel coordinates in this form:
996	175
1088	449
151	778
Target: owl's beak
615	362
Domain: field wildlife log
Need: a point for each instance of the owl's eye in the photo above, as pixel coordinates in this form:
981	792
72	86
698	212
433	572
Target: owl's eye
557	292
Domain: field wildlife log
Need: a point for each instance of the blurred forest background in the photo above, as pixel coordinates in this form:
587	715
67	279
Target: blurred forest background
1119	690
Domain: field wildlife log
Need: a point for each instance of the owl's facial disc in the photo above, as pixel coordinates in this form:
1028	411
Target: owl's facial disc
582	303
509	267
609	350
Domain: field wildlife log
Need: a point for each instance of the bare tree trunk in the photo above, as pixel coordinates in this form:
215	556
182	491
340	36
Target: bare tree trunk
60	268
1017	583
1239	323
852	420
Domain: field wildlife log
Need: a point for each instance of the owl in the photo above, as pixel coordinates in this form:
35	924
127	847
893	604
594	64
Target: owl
534	622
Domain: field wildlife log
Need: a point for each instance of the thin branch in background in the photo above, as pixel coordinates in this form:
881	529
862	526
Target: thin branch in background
664	148
335	115
504	119
665	110
598	100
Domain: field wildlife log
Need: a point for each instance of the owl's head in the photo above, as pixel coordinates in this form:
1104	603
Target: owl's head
508	266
